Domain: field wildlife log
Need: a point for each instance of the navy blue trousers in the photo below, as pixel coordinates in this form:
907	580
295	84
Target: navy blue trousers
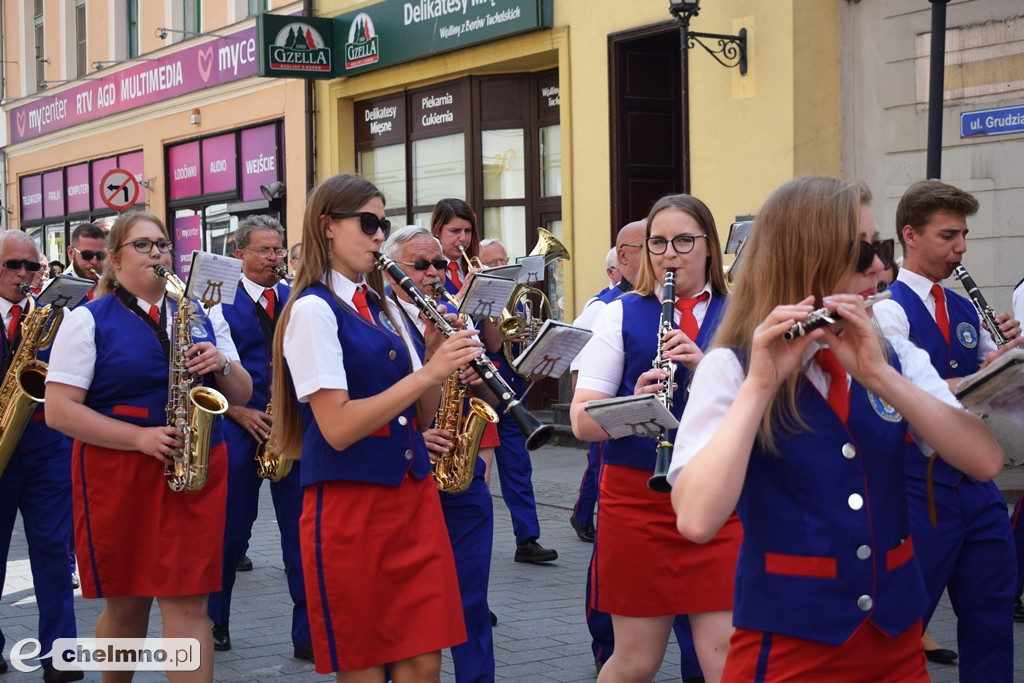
586	501
242	510
515	472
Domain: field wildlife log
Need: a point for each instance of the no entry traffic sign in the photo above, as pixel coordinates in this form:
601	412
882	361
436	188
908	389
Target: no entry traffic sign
119	189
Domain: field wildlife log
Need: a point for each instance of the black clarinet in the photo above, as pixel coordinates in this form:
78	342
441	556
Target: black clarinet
537	433
659	480
988	316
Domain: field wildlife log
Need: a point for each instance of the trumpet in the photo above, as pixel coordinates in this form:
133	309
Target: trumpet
537	434
823	317
471	261
988	316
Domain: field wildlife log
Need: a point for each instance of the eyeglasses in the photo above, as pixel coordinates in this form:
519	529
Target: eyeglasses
423	264
683	244
144	246
267	252
627	244
17	263
369	222
884	249
90	255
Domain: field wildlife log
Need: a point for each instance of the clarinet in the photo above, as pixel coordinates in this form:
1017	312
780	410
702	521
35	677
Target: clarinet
823	317
988	316
537	434
659	480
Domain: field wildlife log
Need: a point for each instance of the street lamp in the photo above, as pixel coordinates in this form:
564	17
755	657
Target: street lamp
733	49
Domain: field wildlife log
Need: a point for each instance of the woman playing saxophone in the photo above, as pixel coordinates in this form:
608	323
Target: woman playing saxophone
109	391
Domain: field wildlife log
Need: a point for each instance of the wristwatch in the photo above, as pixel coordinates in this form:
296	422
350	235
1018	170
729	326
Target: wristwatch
227	368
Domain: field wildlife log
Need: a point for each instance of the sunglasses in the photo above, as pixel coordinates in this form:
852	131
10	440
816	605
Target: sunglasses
369	222
423	264
884	249
90	255
144	246
17	263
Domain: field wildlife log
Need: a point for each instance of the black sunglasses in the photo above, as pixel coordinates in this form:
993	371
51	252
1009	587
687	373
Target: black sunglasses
369	222
17	263
90	255
884	249
423	264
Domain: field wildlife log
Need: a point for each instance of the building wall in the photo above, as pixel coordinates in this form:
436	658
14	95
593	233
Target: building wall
885	49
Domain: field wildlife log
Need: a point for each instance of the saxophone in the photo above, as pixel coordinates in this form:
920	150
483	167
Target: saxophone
659	480
454	470
192	409
24	385
269	463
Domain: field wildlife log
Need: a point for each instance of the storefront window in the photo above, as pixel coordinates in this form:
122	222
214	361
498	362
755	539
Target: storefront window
504	172
385	168
550	138
53	248
507	223
438	168
220	227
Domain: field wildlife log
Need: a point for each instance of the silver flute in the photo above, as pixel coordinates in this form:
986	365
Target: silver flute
823	317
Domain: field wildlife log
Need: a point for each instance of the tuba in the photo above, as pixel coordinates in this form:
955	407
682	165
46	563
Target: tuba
454	470
24	385
192	409
269	463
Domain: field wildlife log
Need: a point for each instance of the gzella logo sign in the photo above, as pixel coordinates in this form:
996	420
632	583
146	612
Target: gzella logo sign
300	47
363	46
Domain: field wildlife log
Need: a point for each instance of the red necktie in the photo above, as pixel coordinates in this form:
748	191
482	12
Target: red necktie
12	327
359	299
154	313
687	321
941	317
838	391
268	298
453	274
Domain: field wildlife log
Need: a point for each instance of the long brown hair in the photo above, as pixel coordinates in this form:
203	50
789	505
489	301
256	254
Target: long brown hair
803	243
340	193
447	210
713	273
115	240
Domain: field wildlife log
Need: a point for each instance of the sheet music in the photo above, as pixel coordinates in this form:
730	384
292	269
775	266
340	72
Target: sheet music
486	296
213	278
738	234
511	271
642	416
998	389
65	291
557	343
533	269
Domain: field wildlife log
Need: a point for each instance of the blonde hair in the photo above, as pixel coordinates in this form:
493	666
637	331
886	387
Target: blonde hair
713	273
803	243
342	193
119	232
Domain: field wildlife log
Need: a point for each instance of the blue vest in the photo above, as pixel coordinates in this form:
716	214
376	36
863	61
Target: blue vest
956	359
375	358
36	435
826	534
130	377
242	318
640	318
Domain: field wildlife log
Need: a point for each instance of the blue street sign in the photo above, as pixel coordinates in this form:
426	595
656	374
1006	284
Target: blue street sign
992	121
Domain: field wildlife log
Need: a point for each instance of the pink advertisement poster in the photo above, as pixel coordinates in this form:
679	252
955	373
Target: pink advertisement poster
53	193
186	240
219	164
183	161
78	188
99	169
31	197
260	160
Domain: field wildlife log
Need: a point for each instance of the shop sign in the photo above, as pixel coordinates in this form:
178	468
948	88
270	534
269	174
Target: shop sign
1001	121
381	121
295	47
183	165
133	164
219	164
186	240
438	109
396	31
187	70
53	193
31	197
78	188
260	160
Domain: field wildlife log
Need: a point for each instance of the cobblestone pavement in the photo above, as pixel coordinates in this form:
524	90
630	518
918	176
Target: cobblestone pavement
541	634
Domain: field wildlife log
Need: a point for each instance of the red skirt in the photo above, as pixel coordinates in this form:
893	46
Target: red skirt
135	536
645	567
380	576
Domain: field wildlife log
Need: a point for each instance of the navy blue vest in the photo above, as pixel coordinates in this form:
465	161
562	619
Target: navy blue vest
640	318
37	434
247	333
826	533
375	358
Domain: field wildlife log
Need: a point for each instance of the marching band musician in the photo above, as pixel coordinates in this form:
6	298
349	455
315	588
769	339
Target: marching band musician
469	516
252	317
380	579
971	550
646	574
453	223
87	253
36	480
108	389
827	587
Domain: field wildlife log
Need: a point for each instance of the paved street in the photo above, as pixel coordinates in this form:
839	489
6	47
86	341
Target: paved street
541	634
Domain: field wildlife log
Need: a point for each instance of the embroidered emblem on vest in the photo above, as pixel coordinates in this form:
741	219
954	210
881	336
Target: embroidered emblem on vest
385	322
883	409
967	335
198	331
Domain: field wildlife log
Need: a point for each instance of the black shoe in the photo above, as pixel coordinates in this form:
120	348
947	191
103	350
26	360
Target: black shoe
52	675
586	533
221	638
1018	610
533	552
244	564
941	656
304	652
494	618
